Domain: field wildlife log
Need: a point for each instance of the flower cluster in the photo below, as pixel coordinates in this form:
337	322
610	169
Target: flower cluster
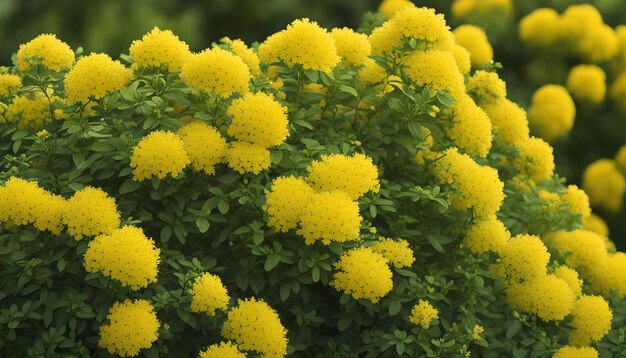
222	350
208	294
90	212
94	76
47	50
363	274
216	71
132	326
604	184
159	154
159	47
204	145
397	252
474	40
552	111
423	313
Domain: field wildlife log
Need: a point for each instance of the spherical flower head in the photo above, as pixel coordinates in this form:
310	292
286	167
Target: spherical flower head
9	84
524	258
90	212
535	159
246	157
552	112
598	44
259	119
486	87
617	92
354	175
286	202
470	130
620	159
390	7
542	27
216	71
436	69
461	57
159	47
125	255
330	216
363	273
255	326
303	42
222	350
596	224
132	326
209	294
93	76
49	213
607	277
353	47
508	120
579	19
397	252
604	184
477	187
462	9
474	39
239	48
587	83
570	276
486	235
28	112
577	200
583	249
45	49
160	153
421	24
591	319
576	352
477	332
551	298
204	145
423	313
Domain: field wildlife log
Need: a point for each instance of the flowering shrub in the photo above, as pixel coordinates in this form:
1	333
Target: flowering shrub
323	193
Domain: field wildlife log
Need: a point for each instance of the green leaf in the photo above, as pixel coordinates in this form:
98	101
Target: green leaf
513	329
129	186
350	90
223	207
394	308
203	225
271	262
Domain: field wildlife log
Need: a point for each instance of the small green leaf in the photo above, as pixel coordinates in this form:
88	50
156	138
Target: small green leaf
271	262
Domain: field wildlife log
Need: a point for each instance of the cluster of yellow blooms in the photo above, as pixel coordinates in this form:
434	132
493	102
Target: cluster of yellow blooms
132	326
605	184
222	350
423	313
363	273
463	9
552	111
209	294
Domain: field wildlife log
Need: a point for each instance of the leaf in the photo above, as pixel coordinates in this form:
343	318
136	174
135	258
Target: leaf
223	207
513	329
394	308
344	322
350	90
129	186
434	243
203	224
271	262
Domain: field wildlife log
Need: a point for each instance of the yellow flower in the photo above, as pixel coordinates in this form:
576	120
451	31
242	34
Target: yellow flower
552	112
93	76
125	255
583	249
353	47
330	216
436	69
222	350
363	274
216	71
570	276
577	200
204	145
508	120
598	44
576	352
159	154
397	252
604	184
28	112
159	47
461	57
423	313
591	318
9	84
485	235
91	212
46	49
541	27
547	296
246	157
486	87
259	119
286	202
239	48
594	223
390	7
524	258
132	326
462	9
477	332
255	326
617	92
354	175
535	159
471	128
303	42
209	294
607	276
587	83
474	39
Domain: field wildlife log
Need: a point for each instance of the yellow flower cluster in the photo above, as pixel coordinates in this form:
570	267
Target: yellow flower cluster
159	47
125	255
570	276
363	274
471	128
552	112
9	84
524	258
91	212
594	223
353	47
535	159
547	296
591	319
28	111
93	76
132	326
23	203
477	332
255	326
303	42
159	154
462	9
45	49
247	55
576	352
204	145
216	71
247	157
486	235
259	119
477	187
604	184
577	200
436	69
209	294
509	121
389	7
475	41
397	252
587	83
423	313
354	175
486	87
222	350
286	202
330	216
